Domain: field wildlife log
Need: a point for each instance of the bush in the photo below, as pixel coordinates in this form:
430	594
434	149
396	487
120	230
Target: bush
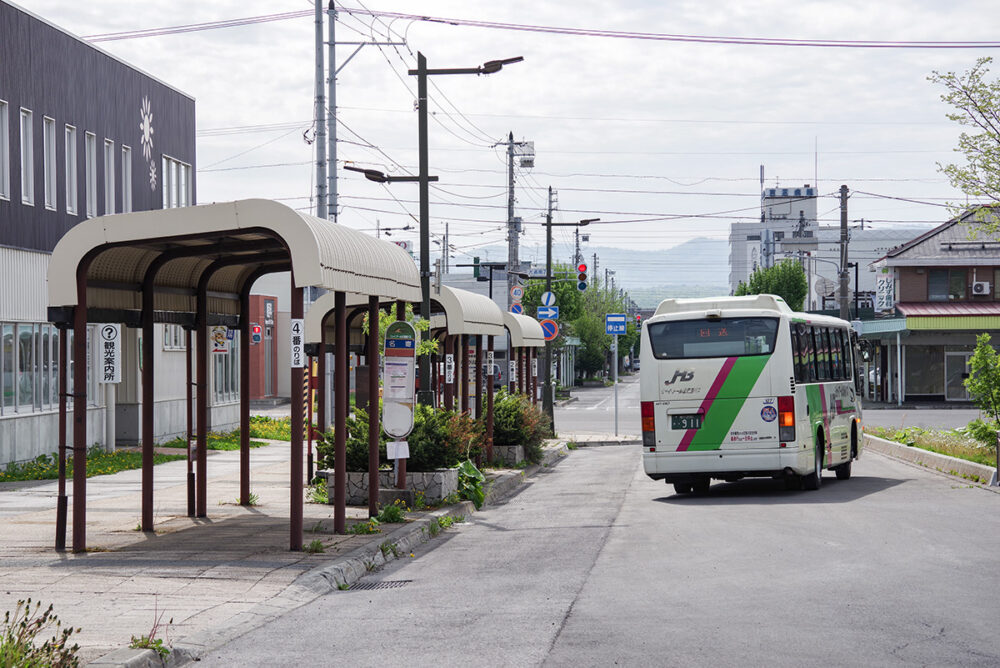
984	432
516	421
262	426
357	443
21	634
442	439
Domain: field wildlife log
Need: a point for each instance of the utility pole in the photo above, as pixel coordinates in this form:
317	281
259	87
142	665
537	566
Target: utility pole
331	114
513	234
576	254
595	266
844	309
320	117
444	250
547	406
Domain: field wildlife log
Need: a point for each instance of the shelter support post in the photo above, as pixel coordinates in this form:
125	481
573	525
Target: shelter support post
479	376
449	387
188	398
245	394
295	469
148	398
80	410
463	367
201	418
62	505
373	417
401	469
340	404
307	391
532	373
320	386
489	402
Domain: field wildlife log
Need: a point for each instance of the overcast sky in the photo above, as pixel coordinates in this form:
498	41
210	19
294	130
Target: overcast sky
688	124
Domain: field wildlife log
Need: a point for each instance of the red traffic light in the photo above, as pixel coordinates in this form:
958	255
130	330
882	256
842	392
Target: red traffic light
255	329
582	268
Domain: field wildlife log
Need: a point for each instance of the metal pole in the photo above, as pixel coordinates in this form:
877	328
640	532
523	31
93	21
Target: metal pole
547	403
844	311
188	398
464	386
62	503
512	235
320	118
295	500
80	410
401	463
331	115
425	396
614	362
340	406
479	373
373	416
201	416
245	395
148	434
489	399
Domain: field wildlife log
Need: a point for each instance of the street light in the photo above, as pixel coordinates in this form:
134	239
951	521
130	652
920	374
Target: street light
379	177
426	396
547	378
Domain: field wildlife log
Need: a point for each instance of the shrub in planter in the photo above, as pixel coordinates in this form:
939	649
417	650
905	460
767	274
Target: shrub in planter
516	421
357	443
442	439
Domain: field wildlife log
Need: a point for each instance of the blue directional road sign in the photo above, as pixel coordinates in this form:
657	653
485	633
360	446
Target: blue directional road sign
548	299
615	323
548	312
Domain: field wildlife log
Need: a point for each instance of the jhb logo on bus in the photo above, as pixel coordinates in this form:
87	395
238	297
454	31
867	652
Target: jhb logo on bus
680	375
769	413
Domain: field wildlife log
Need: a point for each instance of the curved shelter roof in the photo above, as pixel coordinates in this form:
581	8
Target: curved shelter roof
321	313
468	313
525	332
236	240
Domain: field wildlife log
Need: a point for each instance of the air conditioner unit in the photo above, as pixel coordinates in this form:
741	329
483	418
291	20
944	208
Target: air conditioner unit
981	288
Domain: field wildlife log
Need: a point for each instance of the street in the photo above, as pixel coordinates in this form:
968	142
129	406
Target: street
593	410
595	564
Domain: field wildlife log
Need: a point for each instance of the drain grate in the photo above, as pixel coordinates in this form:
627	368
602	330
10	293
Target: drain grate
384	584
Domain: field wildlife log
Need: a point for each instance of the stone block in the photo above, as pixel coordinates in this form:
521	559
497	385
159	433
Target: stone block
510	455
435	485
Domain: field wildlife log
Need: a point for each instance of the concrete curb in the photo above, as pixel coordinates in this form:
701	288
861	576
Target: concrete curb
970	471
345	570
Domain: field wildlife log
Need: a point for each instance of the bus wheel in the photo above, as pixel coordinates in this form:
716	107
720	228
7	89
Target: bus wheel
683	487
815	479
701	487
843	471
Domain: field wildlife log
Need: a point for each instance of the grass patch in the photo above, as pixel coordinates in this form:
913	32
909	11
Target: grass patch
216	441
314	547
262	426
365	528
21	642
951	442
46	467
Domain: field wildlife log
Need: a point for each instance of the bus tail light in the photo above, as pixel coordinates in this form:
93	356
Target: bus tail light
786	419
648	424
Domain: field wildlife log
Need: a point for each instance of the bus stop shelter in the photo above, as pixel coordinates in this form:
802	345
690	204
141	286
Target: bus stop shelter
195	266
526	337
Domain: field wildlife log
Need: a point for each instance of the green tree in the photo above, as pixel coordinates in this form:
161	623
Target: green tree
983	382
785	279
977	106
568	298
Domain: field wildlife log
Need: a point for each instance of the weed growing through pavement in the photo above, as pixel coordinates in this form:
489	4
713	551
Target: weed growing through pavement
318	493
364	528
393	514
316	528
314	547
572	445
389	548
370	566
434	528
20	633
150	640
343	586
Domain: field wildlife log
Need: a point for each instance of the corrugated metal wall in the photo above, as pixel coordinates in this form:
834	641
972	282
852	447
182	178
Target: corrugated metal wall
23	294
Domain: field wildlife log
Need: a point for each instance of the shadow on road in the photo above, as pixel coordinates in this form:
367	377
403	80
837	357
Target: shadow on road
766	491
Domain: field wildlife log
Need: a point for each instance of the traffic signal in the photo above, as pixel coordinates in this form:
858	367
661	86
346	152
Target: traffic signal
581	276
254	333
638	319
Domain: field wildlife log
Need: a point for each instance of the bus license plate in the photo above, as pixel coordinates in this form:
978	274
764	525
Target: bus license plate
686	421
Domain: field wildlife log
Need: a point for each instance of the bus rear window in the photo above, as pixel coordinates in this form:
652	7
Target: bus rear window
728	337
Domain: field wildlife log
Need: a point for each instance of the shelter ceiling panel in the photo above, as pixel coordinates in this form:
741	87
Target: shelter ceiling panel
525	331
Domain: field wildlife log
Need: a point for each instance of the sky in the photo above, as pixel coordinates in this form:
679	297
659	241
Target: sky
663	140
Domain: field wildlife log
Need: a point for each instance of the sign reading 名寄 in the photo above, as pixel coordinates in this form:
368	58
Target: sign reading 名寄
111	353
615	323
398	376
297	348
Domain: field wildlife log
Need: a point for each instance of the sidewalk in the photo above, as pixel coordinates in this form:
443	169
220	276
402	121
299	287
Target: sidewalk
215	577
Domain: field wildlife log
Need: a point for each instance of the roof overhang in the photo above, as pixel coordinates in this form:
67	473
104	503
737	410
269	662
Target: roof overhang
468	313
236	241
525	331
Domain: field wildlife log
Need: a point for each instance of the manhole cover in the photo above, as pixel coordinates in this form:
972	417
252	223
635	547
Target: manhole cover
384	584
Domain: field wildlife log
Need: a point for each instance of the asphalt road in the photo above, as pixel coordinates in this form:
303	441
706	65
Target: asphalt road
593	564
593	411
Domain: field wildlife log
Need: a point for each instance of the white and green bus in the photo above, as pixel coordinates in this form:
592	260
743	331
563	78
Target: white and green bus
737	387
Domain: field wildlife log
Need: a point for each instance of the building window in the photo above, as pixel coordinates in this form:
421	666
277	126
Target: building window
29	367
27	160
72	201
90	149
946	285
4	152
109	176
176	183
226	388
49	161
174	337
126	179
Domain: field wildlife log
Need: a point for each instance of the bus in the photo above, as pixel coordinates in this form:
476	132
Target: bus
736	387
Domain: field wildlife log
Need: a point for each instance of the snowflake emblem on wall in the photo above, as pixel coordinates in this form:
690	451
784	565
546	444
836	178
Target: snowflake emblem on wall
146	128
152	176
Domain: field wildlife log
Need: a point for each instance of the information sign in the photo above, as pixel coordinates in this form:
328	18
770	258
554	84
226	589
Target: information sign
548	312
297	348
534	368
449	368
615	323
111	353
512	371
398	375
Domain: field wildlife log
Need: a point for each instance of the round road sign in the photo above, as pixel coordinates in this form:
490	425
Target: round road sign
548	299
517	292
550	328
516	308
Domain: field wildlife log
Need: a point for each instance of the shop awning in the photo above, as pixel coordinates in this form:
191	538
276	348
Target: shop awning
951	316
525	332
